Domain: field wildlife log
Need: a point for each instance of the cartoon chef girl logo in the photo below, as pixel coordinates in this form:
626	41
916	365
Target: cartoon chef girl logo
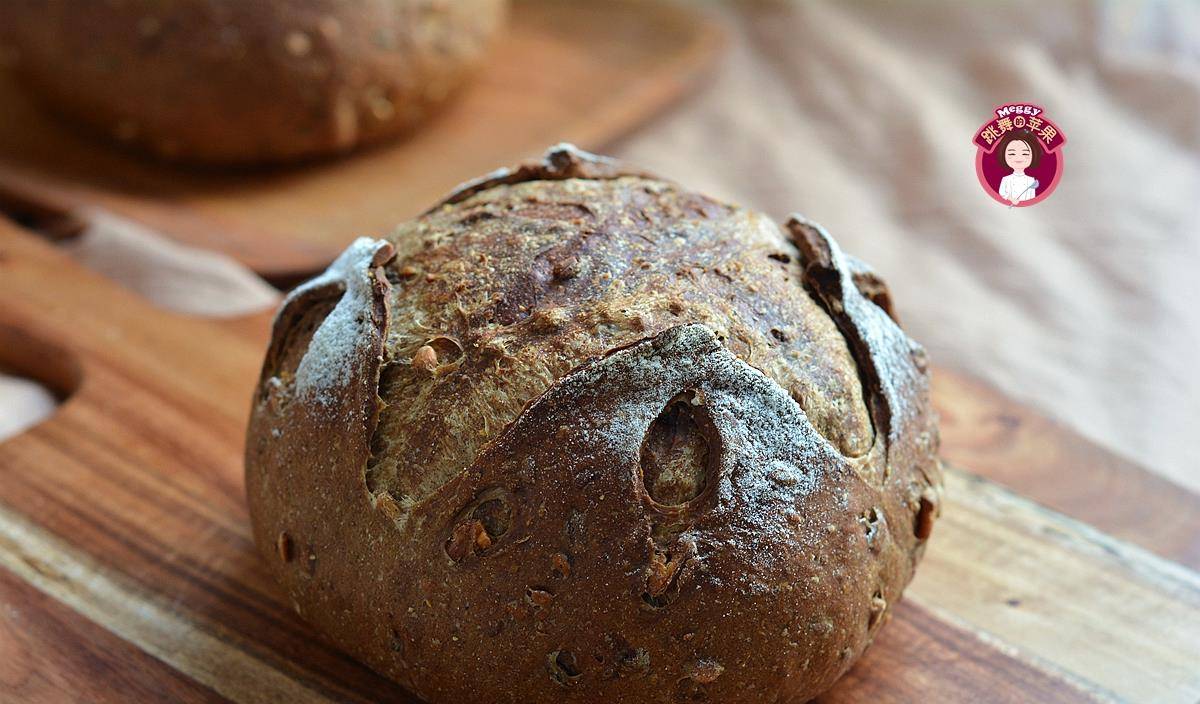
1019	158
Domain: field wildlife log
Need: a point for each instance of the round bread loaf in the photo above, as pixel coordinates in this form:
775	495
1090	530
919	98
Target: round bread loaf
579	434
234	82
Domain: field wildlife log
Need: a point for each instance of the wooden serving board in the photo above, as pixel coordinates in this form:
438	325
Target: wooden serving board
583	71
127	570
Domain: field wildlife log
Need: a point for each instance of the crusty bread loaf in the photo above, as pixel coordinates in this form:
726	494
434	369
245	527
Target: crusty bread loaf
579	434
234	82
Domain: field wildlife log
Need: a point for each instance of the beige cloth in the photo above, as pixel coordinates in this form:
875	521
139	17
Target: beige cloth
861	116
170	275
23	403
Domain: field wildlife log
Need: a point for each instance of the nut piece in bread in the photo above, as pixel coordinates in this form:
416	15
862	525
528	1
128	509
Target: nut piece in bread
579	432
235	82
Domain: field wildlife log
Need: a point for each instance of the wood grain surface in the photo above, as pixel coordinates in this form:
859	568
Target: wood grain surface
577	71
1044	460
126	563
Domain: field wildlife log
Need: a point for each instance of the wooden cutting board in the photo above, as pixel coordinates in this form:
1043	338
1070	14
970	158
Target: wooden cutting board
127	570
583	71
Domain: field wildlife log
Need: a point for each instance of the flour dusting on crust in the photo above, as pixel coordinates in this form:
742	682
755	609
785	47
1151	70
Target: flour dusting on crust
347	331
771	455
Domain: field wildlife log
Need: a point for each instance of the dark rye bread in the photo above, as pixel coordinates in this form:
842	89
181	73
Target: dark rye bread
578	434
235	82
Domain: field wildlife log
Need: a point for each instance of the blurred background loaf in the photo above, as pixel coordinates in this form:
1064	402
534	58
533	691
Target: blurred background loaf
231	82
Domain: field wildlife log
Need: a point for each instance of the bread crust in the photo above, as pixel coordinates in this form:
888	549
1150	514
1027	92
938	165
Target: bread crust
634	506
231	82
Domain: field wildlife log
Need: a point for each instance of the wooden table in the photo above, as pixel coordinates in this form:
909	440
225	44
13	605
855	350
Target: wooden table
1057	573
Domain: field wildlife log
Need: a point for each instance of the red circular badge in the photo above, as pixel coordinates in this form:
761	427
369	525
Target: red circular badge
1019	159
